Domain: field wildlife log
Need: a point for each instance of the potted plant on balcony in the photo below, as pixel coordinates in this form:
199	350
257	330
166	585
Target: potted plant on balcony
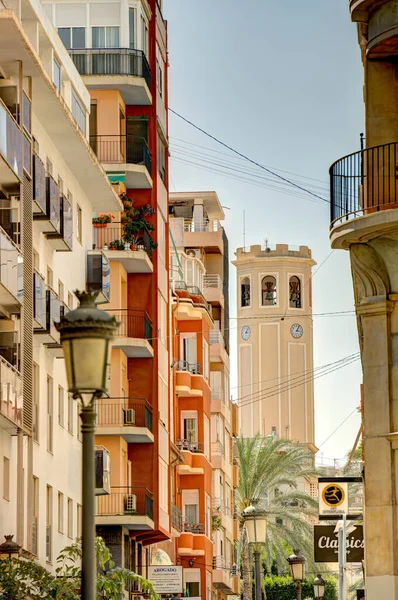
116	245
127	202
102	221
135	242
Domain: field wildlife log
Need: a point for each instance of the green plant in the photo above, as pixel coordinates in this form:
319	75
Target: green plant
135	240
103	219
216	522
116	245
284	588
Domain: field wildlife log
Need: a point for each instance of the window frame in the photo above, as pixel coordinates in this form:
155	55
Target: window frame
79	223
241	278
57	63
261	276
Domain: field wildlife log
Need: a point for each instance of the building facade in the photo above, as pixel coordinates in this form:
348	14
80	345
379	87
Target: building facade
50	184
364	221
205	418
275	342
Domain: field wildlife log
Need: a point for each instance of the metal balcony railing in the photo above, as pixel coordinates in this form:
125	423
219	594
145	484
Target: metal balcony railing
11	142
191	527
126	500
216	337
217	448
184	444
122	149
10	269
193	368
11	405
364	182
201	225
112	236
132	412
111	61
212	281
133	323
176	517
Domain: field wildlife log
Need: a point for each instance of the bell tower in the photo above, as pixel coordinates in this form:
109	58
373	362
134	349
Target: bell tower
275	342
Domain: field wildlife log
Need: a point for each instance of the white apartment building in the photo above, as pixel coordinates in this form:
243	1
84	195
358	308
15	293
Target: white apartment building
50	184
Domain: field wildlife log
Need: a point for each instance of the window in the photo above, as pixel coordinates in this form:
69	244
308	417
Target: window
294	292
206	360
79	520
188	350
6	478
245	292
61	406
35	406
60	512
70	518
144	35
50	413
70	413
161	157
78	112
132	27
192	582
60	290
79	223
49	166
159	77
73	37
49	277
268	291
79	421
49	522
35	514
189	425
57	74
70	301
105	37
60	184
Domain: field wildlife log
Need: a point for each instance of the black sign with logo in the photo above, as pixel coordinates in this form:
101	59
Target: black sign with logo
326	545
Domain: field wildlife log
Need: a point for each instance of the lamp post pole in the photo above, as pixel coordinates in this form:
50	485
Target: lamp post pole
296	563
87	416
298	590
257	573
256	528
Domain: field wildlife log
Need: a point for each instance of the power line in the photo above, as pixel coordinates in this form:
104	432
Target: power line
270	171
338	427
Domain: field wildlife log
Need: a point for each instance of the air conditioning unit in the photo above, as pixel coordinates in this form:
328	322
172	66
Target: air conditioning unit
131	502
195	253
102	471
129	416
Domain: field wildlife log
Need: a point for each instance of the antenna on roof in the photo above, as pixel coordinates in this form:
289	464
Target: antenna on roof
244	230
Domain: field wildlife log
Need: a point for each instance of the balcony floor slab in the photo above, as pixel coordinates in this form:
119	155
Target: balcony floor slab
132	434
136	177
134	347
133	261
133	90
132	522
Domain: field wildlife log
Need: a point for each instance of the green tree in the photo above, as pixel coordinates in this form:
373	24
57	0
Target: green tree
22	579
270	470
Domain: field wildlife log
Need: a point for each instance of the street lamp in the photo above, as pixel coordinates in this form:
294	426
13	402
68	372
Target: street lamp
319	587
86	335
9	547
256	529
296	563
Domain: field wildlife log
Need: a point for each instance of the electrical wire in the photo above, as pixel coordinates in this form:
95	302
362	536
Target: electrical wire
270	171
338	427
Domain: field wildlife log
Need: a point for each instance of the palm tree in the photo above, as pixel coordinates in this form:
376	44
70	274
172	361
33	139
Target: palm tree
270	470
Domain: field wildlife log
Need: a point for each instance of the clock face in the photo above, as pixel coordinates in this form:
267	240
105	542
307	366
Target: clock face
245	333
296	330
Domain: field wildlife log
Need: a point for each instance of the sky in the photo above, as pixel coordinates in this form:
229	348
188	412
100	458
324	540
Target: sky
281	82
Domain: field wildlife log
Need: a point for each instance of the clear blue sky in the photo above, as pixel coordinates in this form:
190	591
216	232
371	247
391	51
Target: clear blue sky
281	83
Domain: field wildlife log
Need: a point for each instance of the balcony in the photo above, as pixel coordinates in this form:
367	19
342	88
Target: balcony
46	312
127	154
363	186
222	574
124	69
204	233
10	274
192	527
99	275
213	289
131	507
63	241
47	201
110	239
217	347
11	406
190	299
217	449
176	518
217	393
11	161
134	335
129	418
188	379
196	447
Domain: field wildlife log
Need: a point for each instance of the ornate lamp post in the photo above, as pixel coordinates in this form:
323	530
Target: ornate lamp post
319	587
297	563
256	528
86	335
9	547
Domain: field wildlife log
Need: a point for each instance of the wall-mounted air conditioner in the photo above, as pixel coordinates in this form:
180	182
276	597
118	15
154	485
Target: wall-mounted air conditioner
102	471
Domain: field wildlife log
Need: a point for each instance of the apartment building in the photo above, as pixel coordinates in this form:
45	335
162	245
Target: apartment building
50	183
205	419
120	50
364	221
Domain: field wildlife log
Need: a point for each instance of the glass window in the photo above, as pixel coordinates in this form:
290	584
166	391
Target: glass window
70	518
132	27
36	392
50	412
98	37
57	74
49	522
268	291
61	406
78	37
245	291
64	34
144	35
105	37
70	413
79	223
6	478
294	292
78	112
60	512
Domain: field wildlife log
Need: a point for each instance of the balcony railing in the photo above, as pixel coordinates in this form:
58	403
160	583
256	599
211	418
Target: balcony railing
11	142
193	527
217	448
112	61
191	446
122	149
132	412
217	393
216	337
136	500
176	517
201	225
112	232
133	323
213	281
10	267
193	368
11	405
364	182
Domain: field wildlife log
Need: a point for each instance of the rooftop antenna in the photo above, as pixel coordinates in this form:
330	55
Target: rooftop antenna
244	230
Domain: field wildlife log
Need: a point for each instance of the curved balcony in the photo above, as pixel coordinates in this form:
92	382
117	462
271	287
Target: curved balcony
362	184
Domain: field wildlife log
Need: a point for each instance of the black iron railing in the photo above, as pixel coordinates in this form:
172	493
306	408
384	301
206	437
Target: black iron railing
364	182
176	517
191	446
133	412
193	368
193	527
125	500
112	61
133	323
122	149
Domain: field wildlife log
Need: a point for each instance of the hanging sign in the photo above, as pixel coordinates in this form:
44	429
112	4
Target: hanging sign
333	498
326	544
166	579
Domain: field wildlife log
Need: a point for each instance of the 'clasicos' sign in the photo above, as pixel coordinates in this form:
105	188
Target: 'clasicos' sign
326	544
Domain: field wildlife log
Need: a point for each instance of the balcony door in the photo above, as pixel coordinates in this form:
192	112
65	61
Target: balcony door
190	506
188	348
137	139
189	425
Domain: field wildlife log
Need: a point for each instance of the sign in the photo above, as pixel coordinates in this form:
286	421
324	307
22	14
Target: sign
166	579
333	498
326	544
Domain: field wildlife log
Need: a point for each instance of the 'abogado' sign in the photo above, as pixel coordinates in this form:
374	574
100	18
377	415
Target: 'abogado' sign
166	579
326	545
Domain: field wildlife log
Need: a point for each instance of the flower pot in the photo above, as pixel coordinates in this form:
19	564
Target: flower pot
105	247
126	246
100	225
133	247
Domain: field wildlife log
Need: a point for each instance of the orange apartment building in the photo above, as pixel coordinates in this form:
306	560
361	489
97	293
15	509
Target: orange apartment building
205	419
